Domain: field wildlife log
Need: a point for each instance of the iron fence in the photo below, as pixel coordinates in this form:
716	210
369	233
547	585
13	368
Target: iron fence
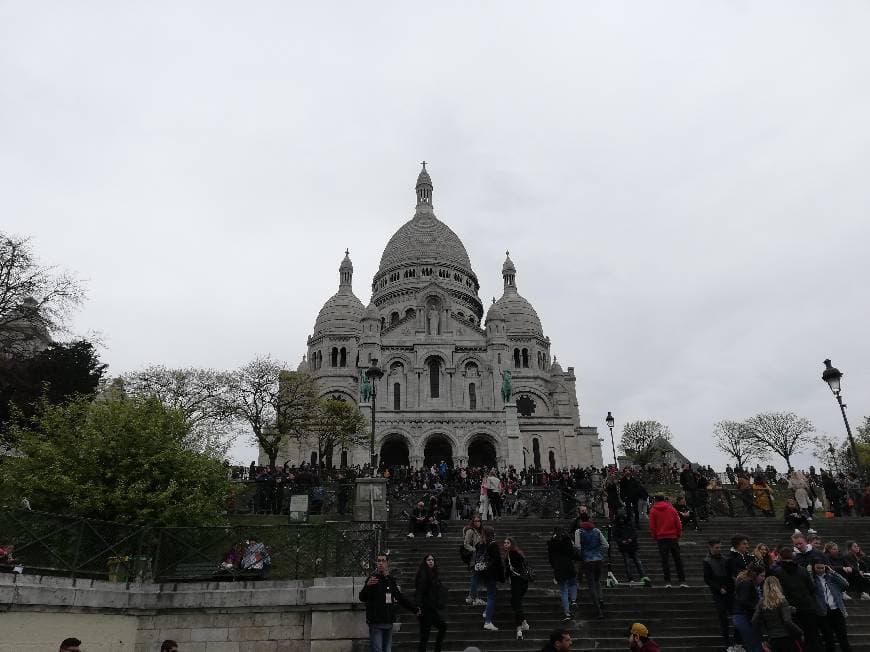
258	497
52	544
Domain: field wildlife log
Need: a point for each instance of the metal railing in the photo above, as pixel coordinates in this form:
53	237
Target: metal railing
252	497
53	544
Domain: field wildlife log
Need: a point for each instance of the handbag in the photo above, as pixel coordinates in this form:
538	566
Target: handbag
464	554
481	561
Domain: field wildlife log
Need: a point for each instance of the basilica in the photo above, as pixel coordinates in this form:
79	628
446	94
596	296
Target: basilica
457	385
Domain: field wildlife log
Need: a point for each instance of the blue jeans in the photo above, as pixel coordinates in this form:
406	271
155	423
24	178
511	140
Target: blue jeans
743	624
380	638
568	590
491	588
475	581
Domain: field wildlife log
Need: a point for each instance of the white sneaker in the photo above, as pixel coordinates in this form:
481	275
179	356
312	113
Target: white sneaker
667	586
468	599
428	534
811	531
796	531
478	602
526	627
439	536
410	535
490	627
684	586
519	633
846	596
865	596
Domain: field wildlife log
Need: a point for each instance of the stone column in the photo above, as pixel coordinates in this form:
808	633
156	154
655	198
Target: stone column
514	451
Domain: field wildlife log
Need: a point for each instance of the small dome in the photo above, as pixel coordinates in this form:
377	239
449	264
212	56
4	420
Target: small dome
494	313
303	365
346	265
519	315
341	314
508	267
371	312
556	368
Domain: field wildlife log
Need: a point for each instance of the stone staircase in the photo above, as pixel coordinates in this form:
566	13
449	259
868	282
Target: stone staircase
678	618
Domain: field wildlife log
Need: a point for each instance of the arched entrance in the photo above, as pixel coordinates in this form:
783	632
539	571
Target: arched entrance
394	452
481	452
438	448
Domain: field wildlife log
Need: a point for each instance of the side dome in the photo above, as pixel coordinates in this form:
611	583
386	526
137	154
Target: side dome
519	315
494	313
341	314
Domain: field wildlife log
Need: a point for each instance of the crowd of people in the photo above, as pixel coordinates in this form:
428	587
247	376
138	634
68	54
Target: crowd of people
771	597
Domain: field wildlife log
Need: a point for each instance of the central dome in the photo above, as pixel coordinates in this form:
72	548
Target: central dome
424	239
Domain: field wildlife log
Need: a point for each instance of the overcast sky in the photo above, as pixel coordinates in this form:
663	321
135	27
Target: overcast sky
682	186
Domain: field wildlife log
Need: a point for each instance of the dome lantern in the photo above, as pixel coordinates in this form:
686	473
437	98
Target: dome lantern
509	273
424	187
345	271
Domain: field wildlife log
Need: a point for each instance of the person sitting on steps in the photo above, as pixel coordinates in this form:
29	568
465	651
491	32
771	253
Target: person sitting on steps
420	521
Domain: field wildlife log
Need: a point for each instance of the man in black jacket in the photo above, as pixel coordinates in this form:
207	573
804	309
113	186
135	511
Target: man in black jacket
721	584
739	557
381	593
797	586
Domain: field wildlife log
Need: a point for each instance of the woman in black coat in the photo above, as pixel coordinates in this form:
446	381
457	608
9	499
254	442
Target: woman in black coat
560	553
431	598
516	570
492	572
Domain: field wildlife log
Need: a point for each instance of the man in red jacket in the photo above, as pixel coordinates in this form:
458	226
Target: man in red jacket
666	528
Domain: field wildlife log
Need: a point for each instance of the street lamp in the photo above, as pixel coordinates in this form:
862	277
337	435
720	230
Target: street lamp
374	374
609	420
832	376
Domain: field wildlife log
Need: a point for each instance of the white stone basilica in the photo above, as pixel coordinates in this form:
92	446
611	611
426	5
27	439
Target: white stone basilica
441	393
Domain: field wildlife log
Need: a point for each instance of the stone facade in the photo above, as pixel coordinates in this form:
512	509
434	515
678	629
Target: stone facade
443	360
320	615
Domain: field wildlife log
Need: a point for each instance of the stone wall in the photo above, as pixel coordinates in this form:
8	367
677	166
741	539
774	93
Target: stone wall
321	615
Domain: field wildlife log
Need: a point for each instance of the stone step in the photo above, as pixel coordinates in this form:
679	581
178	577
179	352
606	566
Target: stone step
680	619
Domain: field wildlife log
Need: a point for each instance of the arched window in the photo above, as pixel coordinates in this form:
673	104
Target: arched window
394	318
516	358
342	360
314	458
472	397
536	453
525	358
333	361
552	461
397	396
434	377
319	362
471	369
344	459
410	313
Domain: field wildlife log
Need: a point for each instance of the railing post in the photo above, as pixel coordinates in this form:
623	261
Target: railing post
75	563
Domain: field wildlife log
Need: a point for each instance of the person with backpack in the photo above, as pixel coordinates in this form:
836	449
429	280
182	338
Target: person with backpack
625	536
592	544
472	535
489	566
797	587
518	573
560	554
745	600
431	597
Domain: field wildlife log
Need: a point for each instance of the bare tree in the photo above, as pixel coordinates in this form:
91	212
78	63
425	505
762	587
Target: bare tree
733	439
199	394
338	424
33	298
781	433
640	438
276	404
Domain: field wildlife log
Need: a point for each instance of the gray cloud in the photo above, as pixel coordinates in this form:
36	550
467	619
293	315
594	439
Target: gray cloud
682	187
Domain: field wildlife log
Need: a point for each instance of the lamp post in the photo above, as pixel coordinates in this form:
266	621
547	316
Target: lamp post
374	374
833	453
832	376
609	420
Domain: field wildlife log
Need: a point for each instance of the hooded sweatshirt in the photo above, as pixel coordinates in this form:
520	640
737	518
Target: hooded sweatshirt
590	541
664	521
